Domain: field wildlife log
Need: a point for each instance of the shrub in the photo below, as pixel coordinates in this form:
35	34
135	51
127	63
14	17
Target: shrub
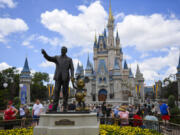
17	131
125	130
171	101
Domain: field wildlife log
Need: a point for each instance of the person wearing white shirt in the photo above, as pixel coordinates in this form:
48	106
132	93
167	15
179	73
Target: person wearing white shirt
22	115
36	111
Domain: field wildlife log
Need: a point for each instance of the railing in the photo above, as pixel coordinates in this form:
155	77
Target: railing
159	126
17	123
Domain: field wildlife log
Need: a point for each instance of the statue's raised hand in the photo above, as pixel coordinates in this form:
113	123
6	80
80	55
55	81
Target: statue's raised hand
43	51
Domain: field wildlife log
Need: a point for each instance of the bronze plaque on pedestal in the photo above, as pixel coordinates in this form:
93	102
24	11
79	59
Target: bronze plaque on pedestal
64	122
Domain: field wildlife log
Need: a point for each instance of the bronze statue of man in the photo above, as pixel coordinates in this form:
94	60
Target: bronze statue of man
64	65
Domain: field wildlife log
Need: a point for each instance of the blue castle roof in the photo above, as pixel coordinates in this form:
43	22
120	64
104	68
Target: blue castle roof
26	67
125	65
178	67
25	73
79	69
104	32
89	65
130	73
101	37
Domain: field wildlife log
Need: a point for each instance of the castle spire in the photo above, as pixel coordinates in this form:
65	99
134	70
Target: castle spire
26	67
110	26
88	66
125	65
178	67
110	12
95	38
138	70
95	41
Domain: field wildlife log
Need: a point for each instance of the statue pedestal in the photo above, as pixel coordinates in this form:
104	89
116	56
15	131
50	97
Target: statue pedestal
67	124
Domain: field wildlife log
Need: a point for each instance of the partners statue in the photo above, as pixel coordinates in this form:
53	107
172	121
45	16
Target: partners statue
81	93
64	65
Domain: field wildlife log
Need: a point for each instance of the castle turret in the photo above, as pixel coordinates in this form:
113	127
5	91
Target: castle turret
104	32
131	74
125	65
89	68
110	27
117	40
125	70
25	81
79	70
140	82
178	78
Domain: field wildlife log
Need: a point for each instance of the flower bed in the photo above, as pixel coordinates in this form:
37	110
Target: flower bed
104	130
126	130
17	131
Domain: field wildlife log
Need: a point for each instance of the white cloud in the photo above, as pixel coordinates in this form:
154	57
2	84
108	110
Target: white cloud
51	78
144	55
4	65
8	26
149	32
52	41
7	3
51	64
119	15
43	39
36	51
76	30
152	67
47	64
127	57
83	51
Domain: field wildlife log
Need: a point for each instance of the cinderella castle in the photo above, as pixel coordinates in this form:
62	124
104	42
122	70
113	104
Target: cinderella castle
110	78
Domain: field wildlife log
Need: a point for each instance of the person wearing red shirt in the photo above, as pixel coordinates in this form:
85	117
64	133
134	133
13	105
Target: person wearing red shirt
137	119
9	114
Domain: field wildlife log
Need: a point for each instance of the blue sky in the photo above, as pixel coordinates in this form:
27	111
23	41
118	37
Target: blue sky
149	32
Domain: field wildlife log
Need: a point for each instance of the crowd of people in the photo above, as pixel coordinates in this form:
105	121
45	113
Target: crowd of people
107	113
24	112
146	115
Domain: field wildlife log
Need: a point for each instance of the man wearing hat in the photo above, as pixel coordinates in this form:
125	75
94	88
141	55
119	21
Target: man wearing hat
124	116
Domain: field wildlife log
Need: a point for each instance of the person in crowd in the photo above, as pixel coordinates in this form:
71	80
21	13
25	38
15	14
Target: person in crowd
37	110
157	109
153	110
108	111
137	119
94	108
103	108
124	116
50	105
165	114
10	114
151	122
22	115
145	110
72	106
116	111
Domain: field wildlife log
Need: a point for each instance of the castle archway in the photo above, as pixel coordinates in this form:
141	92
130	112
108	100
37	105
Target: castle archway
102	95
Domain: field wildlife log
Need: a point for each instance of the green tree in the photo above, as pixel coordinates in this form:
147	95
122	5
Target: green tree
171	101
38	89
11	77
170	89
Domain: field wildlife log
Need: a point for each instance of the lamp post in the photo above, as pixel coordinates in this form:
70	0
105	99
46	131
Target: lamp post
5	85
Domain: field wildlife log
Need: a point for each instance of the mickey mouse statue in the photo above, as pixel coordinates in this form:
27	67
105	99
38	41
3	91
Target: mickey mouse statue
81	92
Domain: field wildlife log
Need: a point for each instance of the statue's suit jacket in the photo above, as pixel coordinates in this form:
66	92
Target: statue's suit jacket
64	64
